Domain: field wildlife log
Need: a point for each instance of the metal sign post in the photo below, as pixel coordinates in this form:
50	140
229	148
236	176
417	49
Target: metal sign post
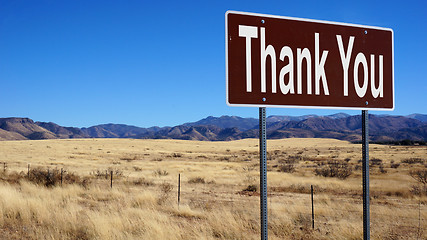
365	174
263	172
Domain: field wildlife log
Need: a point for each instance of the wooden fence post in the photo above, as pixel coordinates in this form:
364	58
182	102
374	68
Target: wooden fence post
111	183
179	188
312	207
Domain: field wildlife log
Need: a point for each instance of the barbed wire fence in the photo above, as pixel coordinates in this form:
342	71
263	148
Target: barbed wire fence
328	215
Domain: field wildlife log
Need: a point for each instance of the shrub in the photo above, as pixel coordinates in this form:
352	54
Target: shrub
294	159
196	180
375	161
165	189
142	181
287	168
335	168
419	190
251	188
49	177
413	161
137	169
12	177
382	170
129	158
419	175
70	178
160	173
42	177
100	173
394	165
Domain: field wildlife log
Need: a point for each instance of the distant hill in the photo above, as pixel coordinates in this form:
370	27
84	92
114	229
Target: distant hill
63	132
349	128
23	128
338	126
117	131
421	117
7	135
121	130
227	122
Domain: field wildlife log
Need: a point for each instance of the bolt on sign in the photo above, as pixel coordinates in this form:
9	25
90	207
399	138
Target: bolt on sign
274	61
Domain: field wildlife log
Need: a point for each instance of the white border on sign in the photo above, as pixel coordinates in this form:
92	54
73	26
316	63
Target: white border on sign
304	20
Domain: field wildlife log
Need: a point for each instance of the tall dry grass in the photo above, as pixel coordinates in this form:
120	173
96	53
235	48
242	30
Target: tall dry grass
143	201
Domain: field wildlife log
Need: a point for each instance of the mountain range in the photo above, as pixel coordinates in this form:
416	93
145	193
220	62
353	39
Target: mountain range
382	128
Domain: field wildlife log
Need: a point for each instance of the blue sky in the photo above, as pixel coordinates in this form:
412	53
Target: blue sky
162	63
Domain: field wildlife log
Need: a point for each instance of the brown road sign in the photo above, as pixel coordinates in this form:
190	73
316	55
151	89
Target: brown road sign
274	61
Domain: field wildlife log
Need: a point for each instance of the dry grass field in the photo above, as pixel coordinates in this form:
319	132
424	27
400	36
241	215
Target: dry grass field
219	189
